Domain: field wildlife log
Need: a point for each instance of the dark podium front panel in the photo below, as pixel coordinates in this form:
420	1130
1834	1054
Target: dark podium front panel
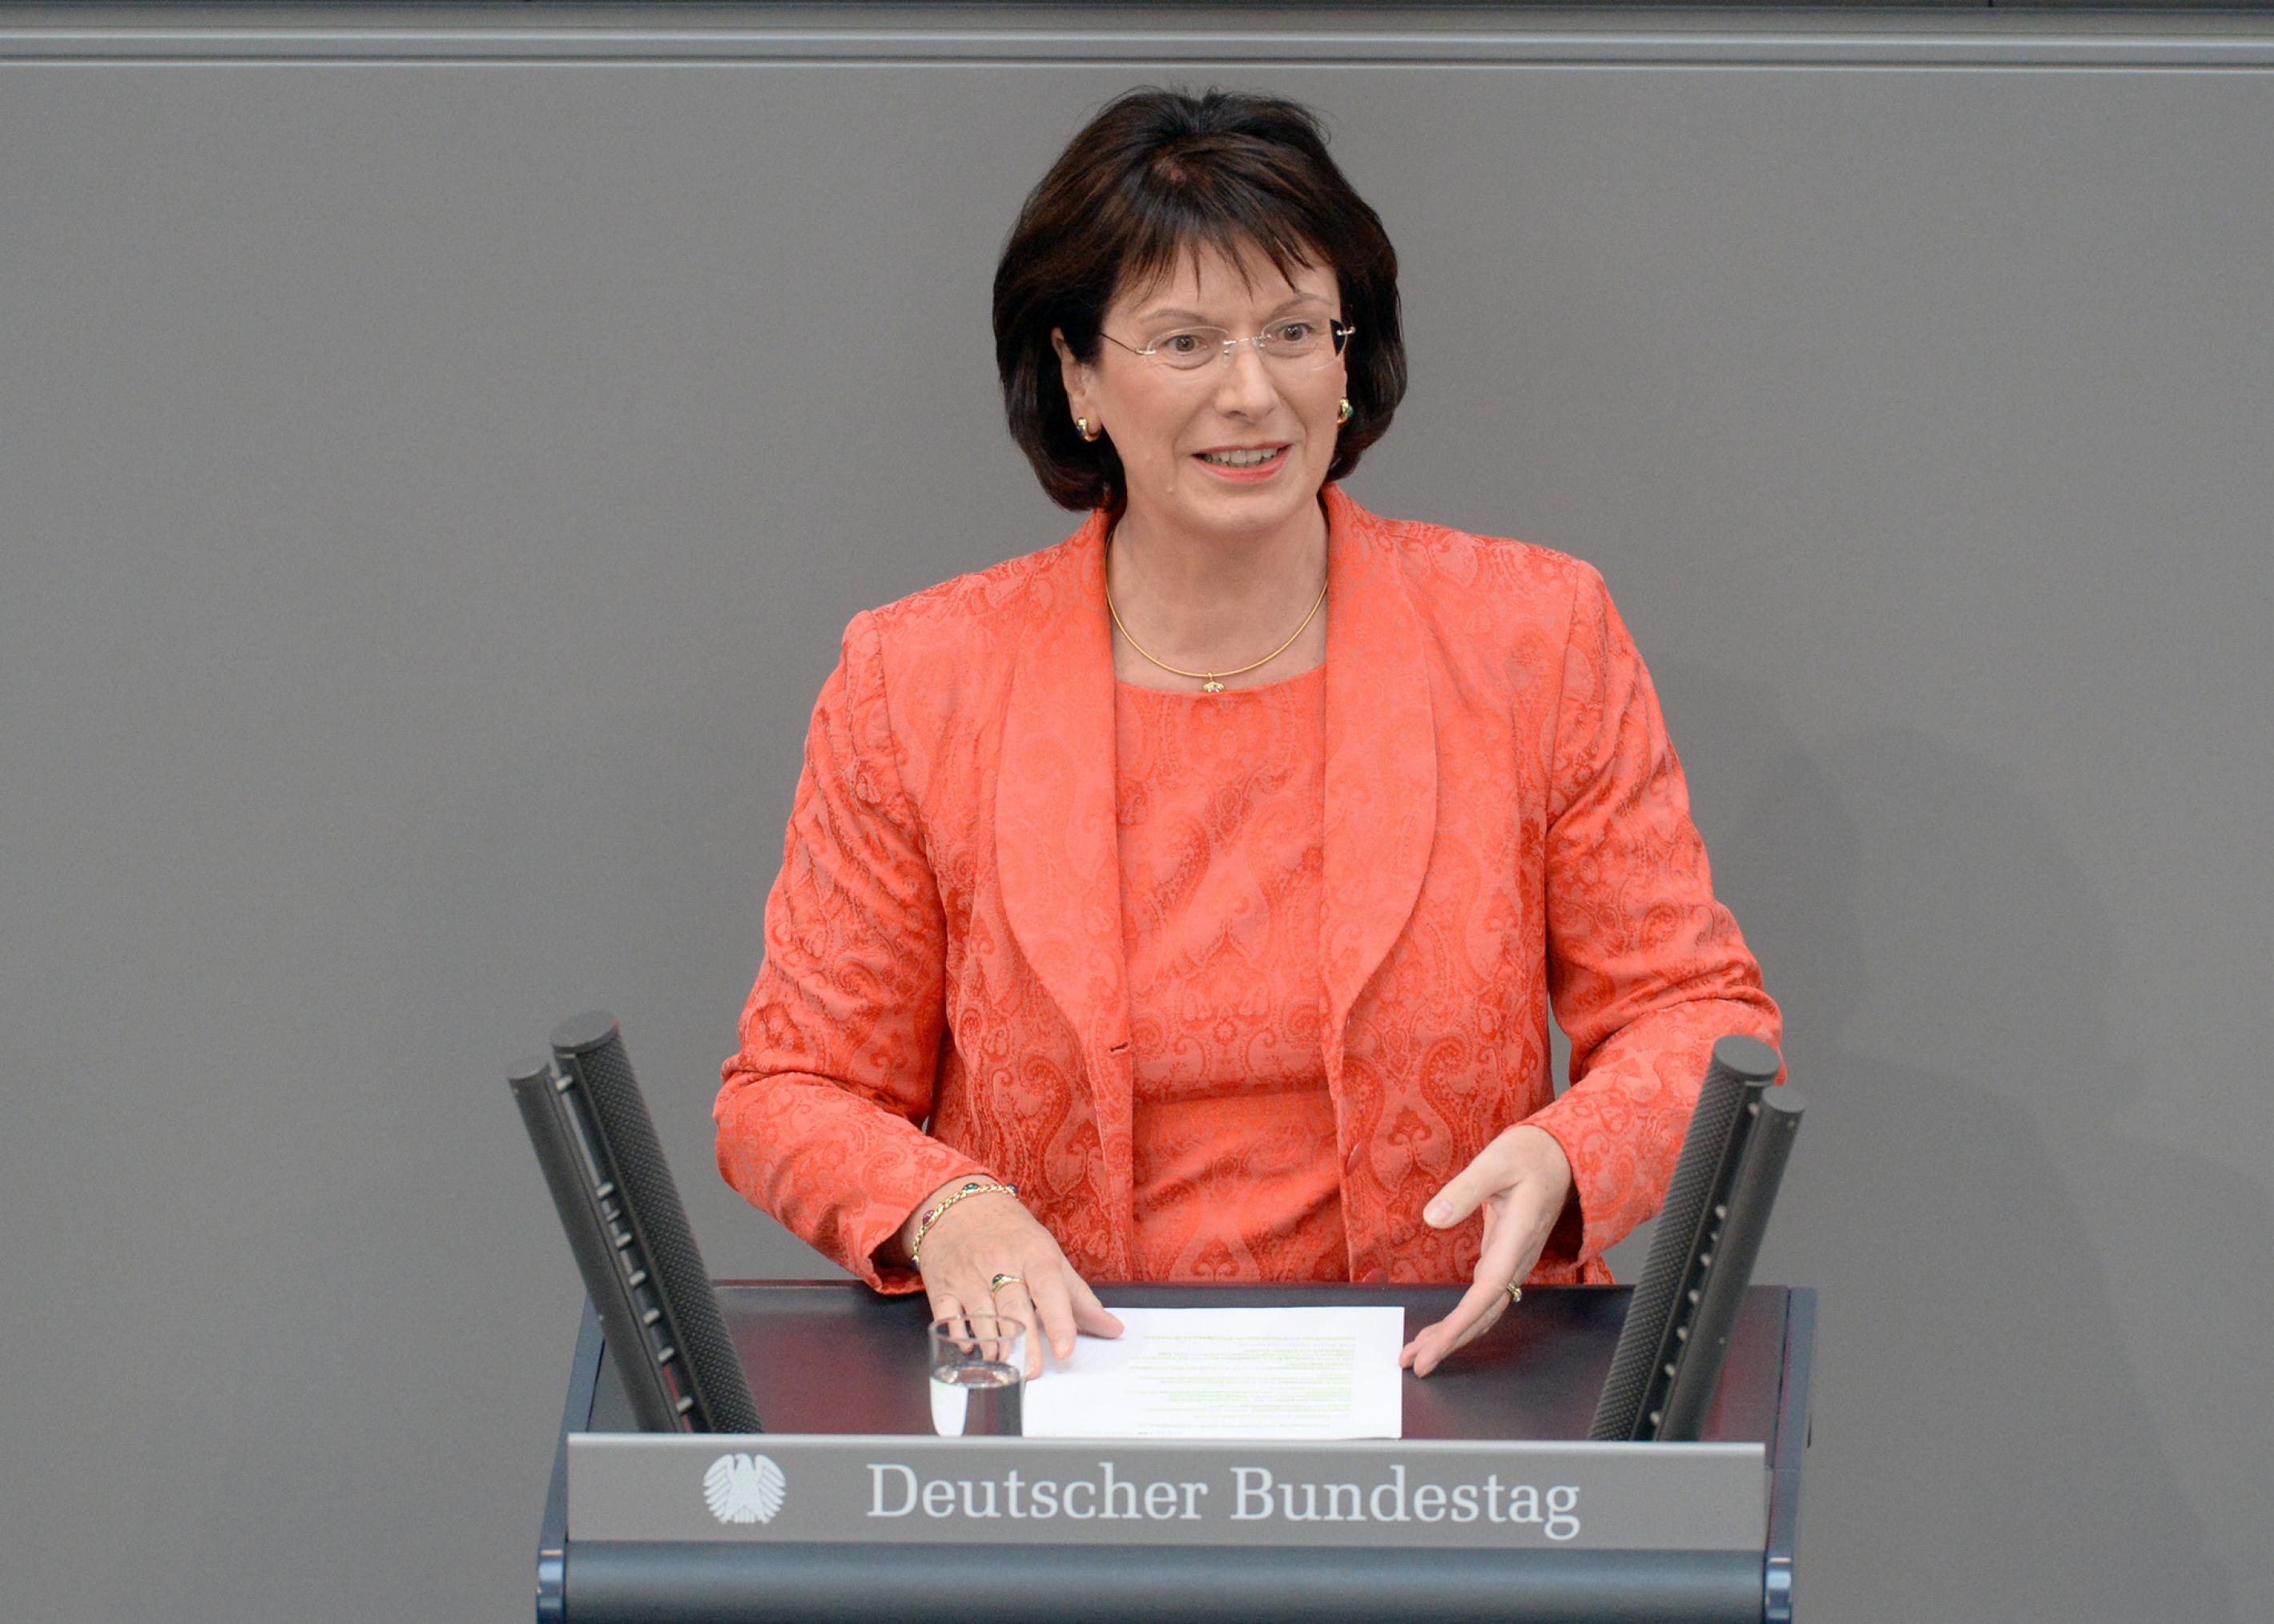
832	1357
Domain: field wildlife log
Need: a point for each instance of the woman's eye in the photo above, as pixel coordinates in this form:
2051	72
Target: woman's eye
1180	343
1293	332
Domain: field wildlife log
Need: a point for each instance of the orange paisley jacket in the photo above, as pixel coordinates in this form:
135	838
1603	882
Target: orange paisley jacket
943	990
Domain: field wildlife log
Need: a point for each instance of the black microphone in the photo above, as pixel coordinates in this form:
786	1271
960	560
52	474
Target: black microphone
1678	1319
589	1125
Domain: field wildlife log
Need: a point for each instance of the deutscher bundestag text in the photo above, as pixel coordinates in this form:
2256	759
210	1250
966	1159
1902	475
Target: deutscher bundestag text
1253	1493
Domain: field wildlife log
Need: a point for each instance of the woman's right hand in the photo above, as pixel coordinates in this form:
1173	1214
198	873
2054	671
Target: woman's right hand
991	1234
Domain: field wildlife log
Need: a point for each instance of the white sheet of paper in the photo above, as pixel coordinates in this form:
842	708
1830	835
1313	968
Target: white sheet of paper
1228	1372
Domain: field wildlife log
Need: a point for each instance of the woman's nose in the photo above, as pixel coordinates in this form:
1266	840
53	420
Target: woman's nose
1244	383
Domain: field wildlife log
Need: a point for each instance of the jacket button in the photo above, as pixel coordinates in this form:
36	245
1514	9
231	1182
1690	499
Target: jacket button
1351	1162
1372	1274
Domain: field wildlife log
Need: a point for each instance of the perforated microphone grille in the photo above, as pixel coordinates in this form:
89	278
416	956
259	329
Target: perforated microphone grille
595	1049
1737	1067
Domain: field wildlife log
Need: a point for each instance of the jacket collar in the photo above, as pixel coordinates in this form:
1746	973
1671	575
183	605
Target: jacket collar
1056	837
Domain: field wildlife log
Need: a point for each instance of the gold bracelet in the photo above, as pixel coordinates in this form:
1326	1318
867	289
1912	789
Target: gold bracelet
924	1224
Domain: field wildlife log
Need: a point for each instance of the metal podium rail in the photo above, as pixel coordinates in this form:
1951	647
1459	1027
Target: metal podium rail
833	1357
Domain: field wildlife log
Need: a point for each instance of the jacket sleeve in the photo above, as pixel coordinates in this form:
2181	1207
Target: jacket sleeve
820	1112
1645	968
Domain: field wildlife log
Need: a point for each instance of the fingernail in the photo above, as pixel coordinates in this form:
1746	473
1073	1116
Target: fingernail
1438	1213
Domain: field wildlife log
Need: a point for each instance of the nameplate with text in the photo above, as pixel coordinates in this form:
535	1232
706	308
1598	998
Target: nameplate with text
782	1488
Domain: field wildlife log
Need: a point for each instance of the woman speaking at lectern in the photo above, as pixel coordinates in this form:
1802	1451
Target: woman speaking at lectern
1183	901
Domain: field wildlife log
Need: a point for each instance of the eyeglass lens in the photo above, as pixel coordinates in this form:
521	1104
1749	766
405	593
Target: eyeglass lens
1306	344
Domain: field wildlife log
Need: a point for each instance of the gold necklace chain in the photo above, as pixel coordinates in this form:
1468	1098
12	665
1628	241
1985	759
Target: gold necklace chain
1210	682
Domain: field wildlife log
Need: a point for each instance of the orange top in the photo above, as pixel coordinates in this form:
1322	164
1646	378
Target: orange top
1220	807
946	987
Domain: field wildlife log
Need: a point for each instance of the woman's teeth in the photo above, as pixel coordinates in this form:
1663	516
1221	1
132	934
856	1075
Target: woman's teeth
1239	459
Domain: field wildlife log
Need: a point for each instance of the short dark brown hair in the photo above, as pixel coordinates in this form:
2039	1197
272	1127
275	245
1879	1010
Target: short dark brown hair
1159	173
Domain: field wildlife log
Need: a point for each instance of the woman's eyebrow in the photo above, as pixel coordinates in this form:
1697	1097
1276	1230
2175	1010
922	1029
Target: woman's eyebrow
1177	312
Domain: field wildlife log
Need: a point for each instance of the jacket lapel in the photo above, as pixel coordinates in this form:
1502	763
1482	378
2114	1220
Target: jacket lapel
1382	762
1058	853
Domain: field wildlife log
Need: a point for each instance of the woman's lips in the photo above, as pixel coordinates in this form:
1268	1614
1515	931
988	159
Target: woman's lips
1244	476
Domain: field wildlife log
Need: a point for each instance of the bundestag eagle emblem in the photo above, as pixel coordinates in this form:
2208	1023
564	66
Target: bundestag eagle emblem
744	1488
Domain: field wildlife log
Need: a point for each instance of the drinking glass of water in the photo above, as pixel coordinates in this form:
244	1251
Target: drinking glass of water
978	1372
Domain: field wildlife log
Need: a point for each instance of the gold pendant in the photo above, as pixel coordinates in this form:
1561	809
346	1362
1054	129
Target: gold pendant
1211	686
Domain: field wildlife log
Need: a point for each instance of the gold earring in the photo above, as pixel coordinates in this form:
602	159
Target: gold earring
1081	427
1345	414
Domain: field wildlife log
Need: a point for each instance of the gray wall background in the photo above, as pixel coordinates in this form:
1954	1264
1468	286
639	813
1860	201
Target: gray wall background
436	466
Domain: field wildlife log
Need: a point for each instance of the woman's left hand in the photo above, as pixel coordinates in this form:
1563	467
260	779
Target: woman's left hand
1522	1181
